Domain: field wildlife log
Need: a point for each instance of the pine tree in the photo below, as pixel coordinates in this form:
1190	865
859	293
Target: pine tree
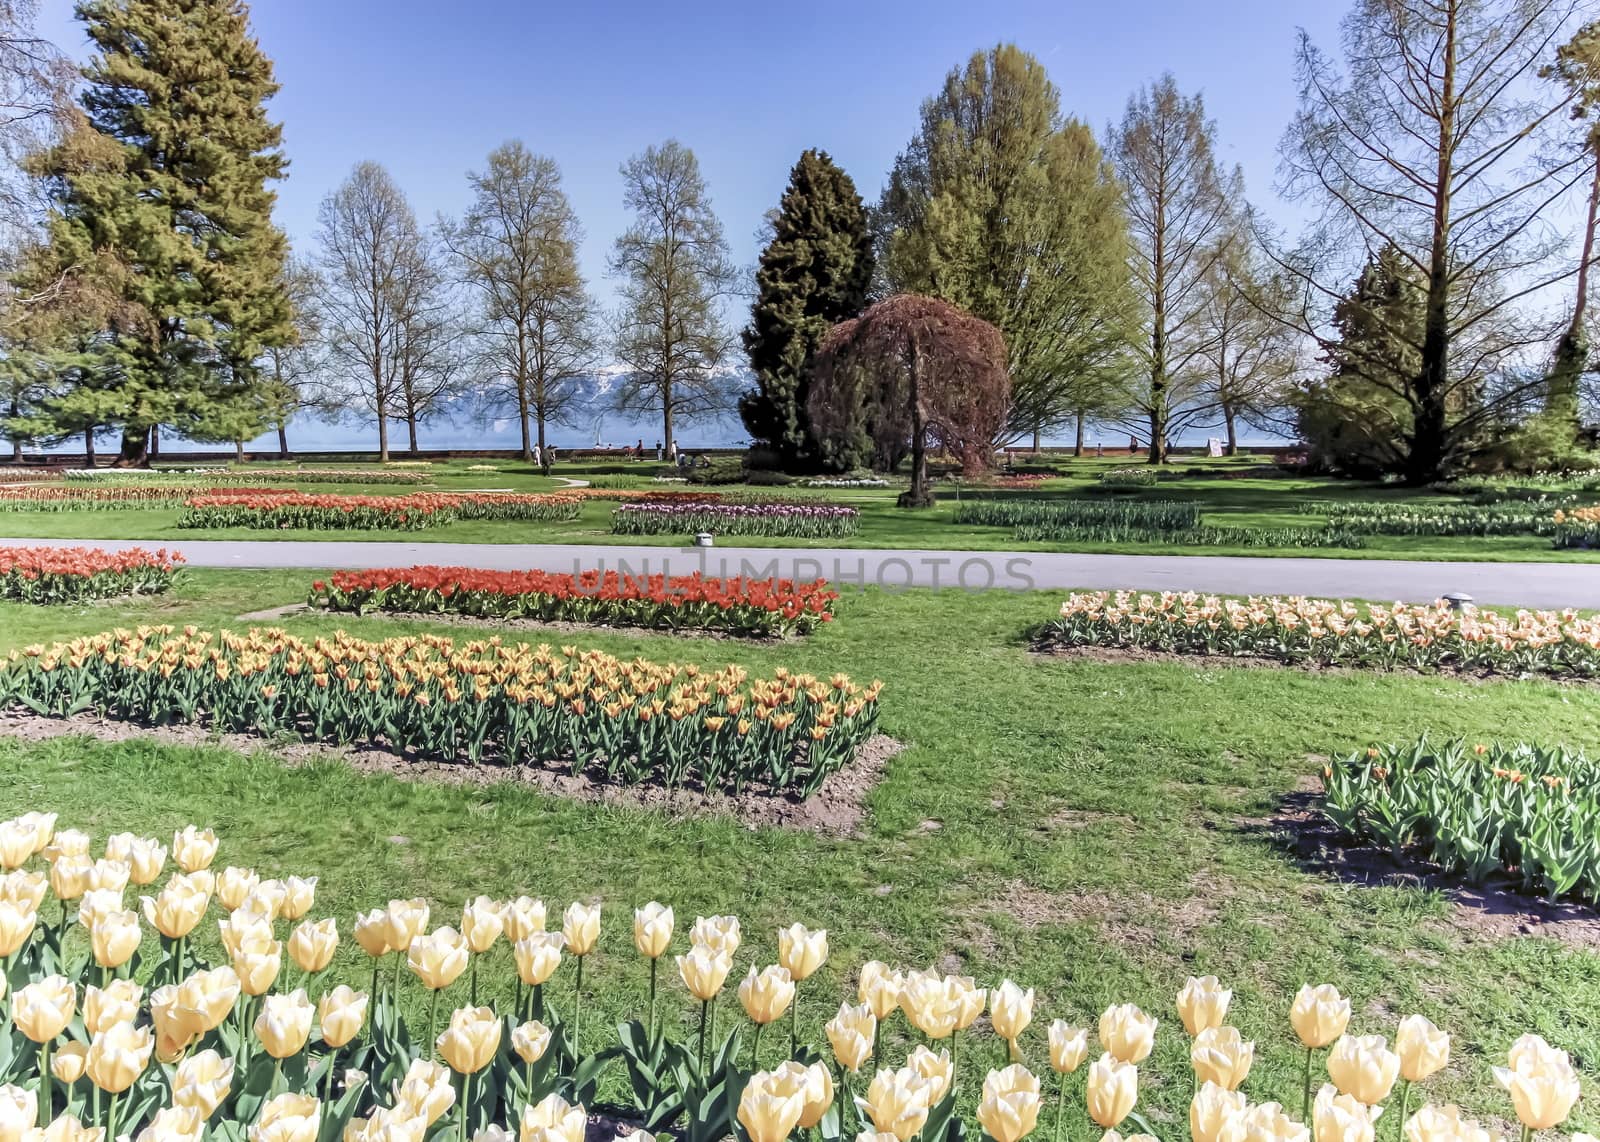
815	272
180	201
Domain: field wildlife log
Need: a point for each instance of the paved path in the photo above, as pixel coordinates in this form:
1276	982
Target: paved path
1552	585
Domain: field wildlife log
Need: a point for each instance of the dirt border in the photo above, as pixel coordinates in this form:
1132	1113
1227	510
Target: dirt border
839	808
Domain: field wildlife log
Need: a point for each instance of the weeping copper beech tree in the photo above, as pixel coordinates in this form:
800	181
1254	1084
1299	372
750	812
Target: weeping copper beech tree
910	372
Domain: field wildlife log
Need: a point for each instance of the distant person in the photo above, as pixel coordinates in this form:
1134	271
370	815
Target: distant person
538	459
638	451
1133	445
1099	450
550	456
658	451
672	453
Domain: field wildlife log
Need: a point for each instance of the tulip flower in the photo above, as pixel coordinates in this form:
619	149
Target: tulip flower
117	1002
257	964
1202	1004
299	893
437	959
1424	1050
766	994
66	842
206	998
23	887
341	1013
553	1120
1010	1012
234	884
652	934
817	1087
68	1061
482	923
898	1102
879	988
1541	1081
1211	1110
580	924
173	1124
719	933
768	1110
1341	1118
19	1110
202	1081
408	919
471	1040
1266	1122
114	938
1127	1034
1069	1047
522	917
66	1128
1221	1056
42	1010
801	951
1009	1107
16	844
288	1118
16	925
929	1005
1112	1090
530	1041
194	849
1363	1067
426	1091
372	934
145	860
538	955
110	876
938	1069
1318	1015
851	1034
118	1056
311	945
177	909
703	972
284	1024
69	876
971	999
97	902
1445	1124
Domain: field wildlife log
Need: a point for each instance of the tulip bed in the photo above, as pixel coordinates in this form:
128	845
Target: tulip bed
629	722
759	608
1423	519
1519	811
1122	521
1579	528
1329	633
78	574
789	520
281	510
115	1032
222	477
80	498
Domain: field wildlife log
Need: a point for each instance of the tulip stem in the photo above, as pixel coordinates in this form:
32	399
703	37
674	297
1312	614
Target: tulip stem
374	988
45	1098
705	1016
1405	1102
577	1014
755	1049
877	1030
955	1048
399	962
327	1079
277	1076
111	1119
433	1015
655	962
794	1024
1305	1092
1061	1105
466	1101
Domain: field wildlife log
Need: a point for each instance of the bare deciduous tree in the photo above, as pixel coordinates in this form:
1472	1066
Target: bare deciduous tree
1249	356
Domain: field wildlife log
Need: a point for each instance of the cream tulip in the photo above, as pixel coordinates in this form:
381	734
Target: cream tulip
929	1005
1210	1111
818	1088
173	1124
538	955
114	938
177	909
146	859
242	929
23	887
898	1102
471	1041
16	925
42	1010
719	933
104	1007
1363	1067
68	1060
1221	1056
299	894
522	917
802	951
438	959
1203	1003
426	1091
408	919
481	924
19	1110
766	994
1542	1090
110	875
1319	1015
1112	1091
372	933
202	1081
311	945
530	1041
1010	1012
288	1118
341	1013
66	1128
652	929
66	842
1445	1124
768	1110
1424	1050
1127	1034
98	902
257	965
580	924
1009	1107
284	1025
207	998
194	849
266	899
971	999
69	876
704	971
879	988
1265	1122
1341	1118
1069	1046
118	1056
851	1034
234	885
553	1120
938	1069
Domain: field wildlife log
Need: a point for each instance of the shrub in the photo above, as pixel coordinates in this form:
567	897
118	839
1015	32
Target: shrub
284	510
1520	811
1332	633
721	470
792	520
78	574
1130	478
628	722
750	607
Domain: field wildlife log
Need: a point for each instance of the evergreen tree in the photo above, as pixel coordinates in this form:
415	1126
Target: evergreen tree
814	273
178	198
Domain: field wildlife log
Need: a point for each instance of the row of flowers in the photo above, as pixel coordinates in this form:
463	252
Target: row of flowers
688	517
1136	521
1332	633
761	608
1578	528
223	477
1420	518
66	497
514	704
1518	812
110	1038
282	510
78	574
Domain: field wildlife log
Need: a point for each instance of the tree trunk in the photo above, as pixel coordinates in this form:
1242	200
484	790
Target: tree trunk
522	418
1077	444
1229	419
1036	440
920	495
666	422
411	430
155	441
1429	436
135	451
88	447
283	441
1572	352
238	451
383	434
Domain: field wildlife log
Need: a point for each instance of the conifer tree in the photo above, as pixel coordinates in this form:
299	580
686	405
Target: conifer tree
814	273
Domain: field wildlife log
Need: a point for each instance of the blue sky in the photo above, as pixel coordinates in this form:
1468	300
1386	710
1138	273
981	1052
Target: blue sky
428	88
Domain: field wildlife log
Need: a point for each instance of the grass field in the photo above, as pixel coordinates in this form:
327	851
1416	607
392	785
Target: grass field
1094	831
1230	500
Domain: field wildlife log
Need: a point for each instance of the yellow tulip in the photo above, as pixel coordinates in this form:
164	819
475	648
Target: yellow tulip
389	1124
17	843
23	887
930	1006
16	925
1424	1050
1265	1122
938	1069
439	958
257	965
69	876
538	955
177	909
288	1118
766	995
802	951
203	1080
234	885
66	842
1127	1034
284	1024
816	1084
1112	1091
118	1056
971	999
1203	1003
299	894
1363	1067
850	1034
1010	1012
266	899
114	938
481	924
522	917
66	1128
311	945
119	846
704	971
652	929
1009	1107
146	857
1319	1015
769	1110
530	1041
173	1124
719	933
207	998
68	1060
110	875
98	902
19	1110
408	919
898	1102
1445	1124
1542	1084
42	1010
245	930
341	1013
1211	1110
117	1002
471	1041
553	1120
1069	1046
194	849
581	926
1340	1118
372	933
426	1091
1221	1056
879	988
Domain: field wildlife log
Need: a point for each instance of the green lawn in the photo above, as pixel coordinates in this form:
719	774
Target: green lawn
1081	828
1230	500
